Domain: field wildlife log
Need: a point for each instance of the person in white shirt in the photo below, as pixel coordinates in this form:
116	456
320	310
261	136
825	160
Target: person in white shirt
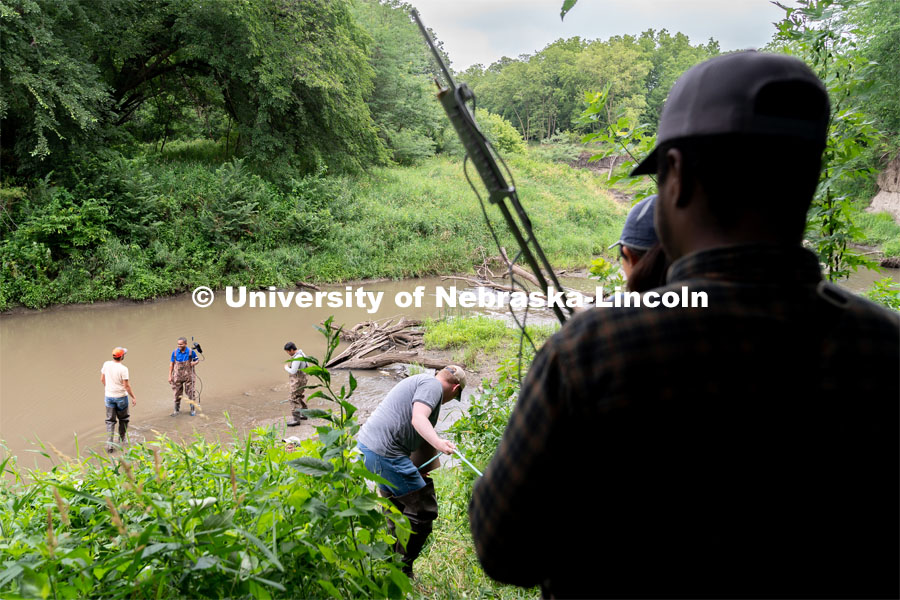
114	377
298	383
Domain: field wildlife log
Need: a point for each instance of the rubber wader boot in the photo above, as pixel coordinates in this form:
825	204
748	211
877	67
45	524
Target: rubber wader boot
421	508
297	416
123	417
110	427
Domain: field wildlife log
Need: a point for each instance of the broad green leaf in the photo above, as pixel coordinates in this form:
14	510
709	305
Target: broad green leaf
265	549
566	7
205	562
329	587
311	466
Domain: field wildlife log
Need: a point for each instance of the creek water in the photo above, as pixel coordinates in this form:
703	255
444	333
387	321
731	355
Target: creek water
50	361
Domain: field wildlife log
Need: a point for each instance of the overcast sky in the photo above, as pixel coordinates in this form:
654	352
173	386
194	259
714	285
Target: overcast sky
483	31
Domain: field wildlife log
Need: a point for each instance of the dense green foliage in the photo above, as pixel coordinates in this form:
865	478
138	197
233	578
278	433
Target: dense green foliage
885	292
252	519
83	75
474	339
143	227
410	123
816	31
853	46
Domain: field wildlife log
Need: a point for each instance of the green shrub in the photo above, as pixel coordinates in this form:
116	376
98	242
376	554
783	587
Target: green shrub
891	248
501	133
410	146
885	292
231	207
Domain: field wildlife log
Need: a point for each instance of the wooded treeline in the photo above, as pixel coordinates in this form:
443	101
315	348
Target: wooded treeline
303	83
298	85
544	93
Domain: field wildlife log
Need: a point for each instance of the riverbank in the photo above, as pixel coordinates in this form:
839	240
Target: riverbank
155	225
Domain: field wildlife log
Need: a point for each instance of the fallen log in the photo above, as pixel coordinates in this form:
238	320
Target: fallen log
482	283
387	358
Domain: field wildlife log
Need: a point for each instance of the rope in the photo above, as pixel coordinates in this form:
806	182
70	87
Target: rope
460	455
471	466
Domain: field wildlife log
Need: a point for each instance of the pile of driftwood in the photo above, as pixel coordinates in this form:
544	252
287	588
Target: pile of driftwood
376	344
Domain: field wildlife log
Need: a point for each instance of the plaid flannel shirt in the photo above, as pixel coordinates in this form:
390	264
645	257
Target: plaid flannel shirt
746	448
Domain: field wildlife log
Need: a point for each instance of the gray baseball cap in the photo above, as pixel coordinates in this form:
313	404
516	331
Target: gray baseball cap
749	92
639	232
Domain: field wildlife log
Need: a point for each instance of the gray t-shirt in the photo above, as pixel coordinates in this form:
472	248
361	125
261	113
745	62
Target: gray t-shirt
389	431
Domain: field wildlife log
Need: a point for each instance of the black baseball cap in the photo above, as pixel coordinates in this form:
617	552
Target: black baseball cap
748	93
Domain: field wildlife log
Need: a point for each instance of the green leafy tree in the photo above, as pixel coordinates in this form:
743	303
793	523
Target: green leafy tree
669	56
50	89
876	23
293	77
402	96
817	31
620	65
502	135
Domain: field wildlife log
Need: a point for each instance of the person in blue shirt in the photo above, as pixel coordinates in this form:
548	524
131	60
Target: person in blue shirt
181	374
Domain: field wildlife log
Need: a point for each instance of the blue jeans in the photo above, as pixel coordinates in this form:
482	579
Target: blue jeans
117	403
116	410
400	471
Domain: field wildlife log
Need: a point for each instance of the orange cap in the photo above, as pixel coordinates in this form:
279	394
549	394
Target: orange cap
119	352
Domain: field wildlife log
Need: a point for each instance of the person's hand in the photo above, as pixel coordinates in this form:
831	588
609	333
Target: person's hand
133	401
170	379
446	447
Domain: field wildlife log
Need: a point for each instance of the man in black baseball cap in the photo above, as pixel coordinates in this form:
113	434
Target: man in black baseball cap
745	449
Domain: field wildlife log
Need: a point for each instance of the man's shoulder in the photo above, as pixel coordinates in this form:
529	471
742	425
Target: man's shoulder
424	381
860	307
613	322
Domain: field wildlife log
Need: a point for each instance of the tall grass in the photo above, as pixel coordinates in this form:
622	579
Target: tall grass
879	229
474	339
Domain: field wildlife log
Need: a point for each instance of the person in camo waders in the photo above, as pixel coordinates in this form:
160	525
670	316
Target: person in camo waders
298	382
181	374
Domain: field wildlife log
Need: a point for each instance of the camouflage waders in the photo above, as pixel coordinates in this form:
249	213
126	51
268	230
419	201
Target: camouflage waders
298	381
183	380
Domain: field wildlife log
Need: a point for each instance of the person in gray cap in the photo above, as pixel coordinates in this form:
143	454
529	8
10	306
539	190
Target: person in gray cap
745	449
643	261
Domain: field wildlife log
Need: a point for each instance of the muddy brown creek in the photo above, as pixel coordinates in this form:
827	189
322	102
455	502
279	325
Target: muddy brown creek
50	363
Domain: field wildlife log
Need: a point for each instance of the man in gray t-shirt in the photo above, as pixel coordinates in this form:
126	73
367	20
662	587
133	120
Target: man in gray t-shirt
399	436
